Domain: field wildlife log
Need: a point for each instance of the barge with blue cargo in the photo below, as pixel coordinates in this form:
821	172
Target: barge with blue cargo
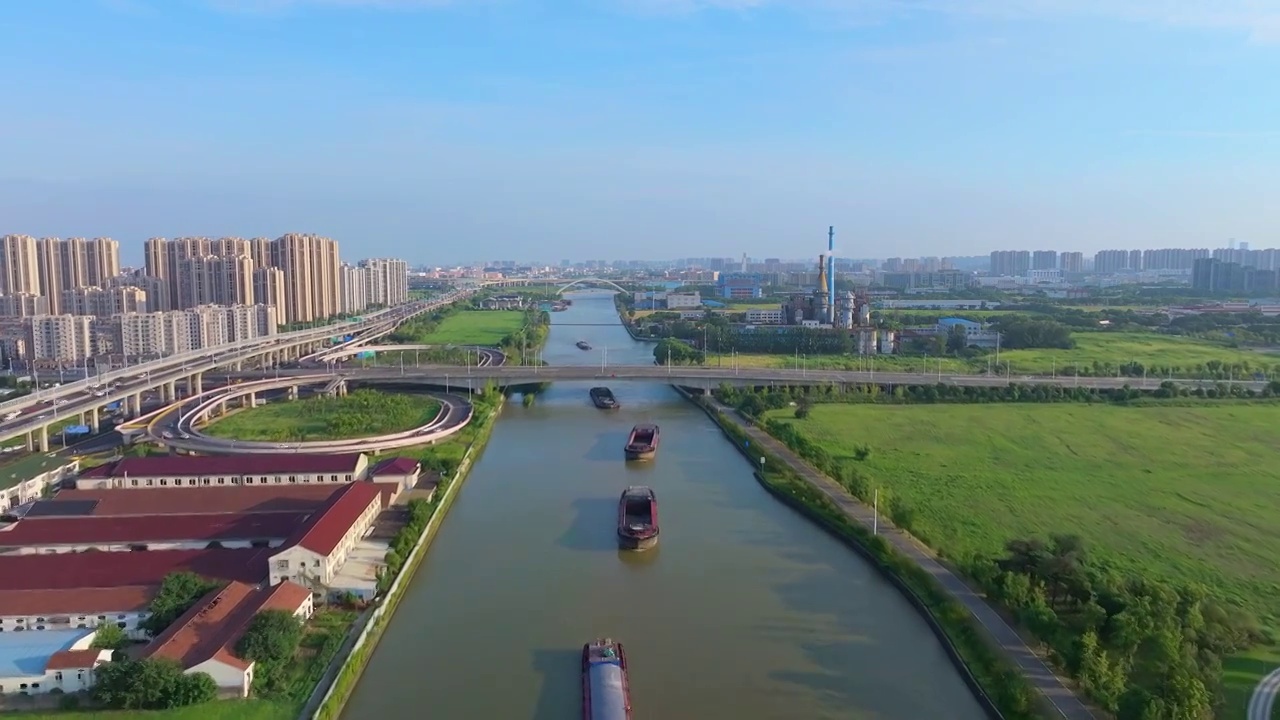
606	692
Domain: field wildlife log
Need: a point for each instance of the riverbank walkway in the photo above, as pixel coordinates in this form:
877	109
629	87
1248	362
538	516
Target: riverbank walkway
1041	677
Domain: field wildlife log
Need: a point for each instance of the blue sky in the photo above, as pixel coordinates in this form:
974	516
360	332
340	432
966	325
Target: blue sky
448	131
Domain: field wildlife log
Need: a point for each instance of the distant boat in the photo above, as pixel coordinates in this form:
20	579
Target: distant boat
583	345
606	690
643	443
604	399
637	518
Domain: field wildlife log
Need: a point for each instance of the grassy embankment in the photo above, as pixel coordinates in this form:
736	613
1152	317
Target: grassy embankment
1003	686
362	413
1110	348
1182	494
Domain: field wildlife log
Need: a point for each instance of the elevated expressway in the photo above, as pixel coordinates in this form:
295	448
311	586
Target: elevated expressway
84	399
477	355
708	378
178	425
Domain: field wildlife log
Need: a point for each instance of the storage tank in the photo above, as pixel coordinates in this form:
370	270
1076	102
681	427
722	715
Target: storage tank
864	315
867	342
886	342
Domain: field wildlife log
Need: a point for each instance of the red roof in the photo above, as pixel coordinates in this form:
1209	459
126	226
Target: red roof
164	528
73	659
76	602
324	529
225	465
398	466
97	570
211	628
243	499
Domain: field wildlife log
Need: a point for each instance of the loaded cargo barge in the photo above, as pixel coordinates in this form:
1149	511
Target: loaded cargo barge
604	399
583	345
643	442
606	692
637	518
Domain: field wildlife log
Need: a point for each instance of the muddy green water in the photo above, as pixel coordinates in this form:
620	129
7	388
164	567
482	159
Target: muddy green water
745	610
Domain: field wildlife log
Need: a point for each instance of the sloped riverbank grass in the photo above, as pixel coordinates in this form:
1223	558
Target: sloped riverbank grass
362	413
1000	685
1116	534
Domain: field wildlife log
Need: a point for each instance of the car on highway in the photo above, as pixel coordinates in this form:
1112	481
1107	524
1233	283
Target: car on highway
166	435
184	436
282	446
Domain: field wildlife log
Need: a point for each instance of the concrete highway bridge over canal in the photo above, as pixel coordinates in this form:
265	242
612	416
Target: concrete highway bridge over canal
708	378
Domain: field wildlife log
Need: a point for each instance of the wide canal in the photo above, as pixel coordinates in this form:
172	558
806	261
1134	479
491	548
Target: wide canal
745	610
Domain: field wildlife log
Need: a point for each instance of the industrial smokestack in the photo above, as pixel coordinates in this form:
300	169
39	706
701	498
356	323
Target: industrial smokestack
831	272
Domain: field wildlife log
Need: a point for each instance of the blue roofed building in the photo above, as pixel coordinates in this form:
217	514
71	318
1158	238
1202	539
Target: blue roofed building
42	661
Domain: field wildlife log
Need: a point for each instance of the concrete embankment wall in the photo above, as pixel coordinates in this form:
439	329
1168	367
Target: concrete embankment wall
979	693
340	681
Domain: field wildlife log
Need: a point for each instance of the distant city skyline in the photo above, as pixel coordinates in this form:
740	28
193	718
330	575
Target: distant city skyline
440	131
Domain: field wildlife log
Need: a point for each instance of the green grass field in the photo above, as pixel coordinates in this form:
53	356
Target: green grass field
323	418
1109	349
1184	493
474	327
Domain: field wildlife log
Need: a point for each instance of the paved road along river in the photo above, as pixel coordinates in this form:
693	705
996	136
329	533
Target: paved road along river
745	610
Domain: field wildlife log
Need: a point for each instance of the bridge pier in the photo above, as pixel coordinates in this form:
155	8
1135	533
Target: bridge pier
43	439
250	400
95	423
195	384
134	405
293	392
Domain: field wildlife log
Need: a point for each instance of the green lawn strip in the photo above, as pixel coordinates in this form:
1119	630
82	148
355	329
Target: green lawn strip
473	327
362	413
1180	494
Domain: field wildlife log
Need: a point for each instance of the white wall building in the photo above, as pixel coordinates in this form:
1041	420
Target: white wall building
316	553
35	487
38	663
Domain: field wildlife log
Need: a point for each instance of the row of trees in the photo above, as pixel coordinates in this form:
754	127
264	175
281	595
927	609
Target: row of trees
419	514
522	345
1143	649
754	404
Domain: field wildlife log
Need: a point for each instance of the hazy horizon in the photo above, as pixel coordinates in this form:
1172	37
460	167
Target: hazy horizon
442	131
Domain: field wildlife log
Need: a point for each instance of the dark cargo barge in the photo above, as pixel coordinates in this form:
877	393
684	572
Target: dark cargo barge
604	399
583	345
637	518
643	442
606	692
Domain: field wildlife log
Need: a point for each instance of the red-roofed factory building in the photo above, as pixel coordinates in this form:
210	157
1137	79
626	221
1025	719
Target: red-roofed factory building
204	638
313	555
224	470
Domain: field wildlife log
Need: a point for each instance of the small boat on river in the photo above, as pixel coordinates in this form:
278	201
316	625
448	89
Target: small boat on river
606	692
583	345
637	518
643	442
604	399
